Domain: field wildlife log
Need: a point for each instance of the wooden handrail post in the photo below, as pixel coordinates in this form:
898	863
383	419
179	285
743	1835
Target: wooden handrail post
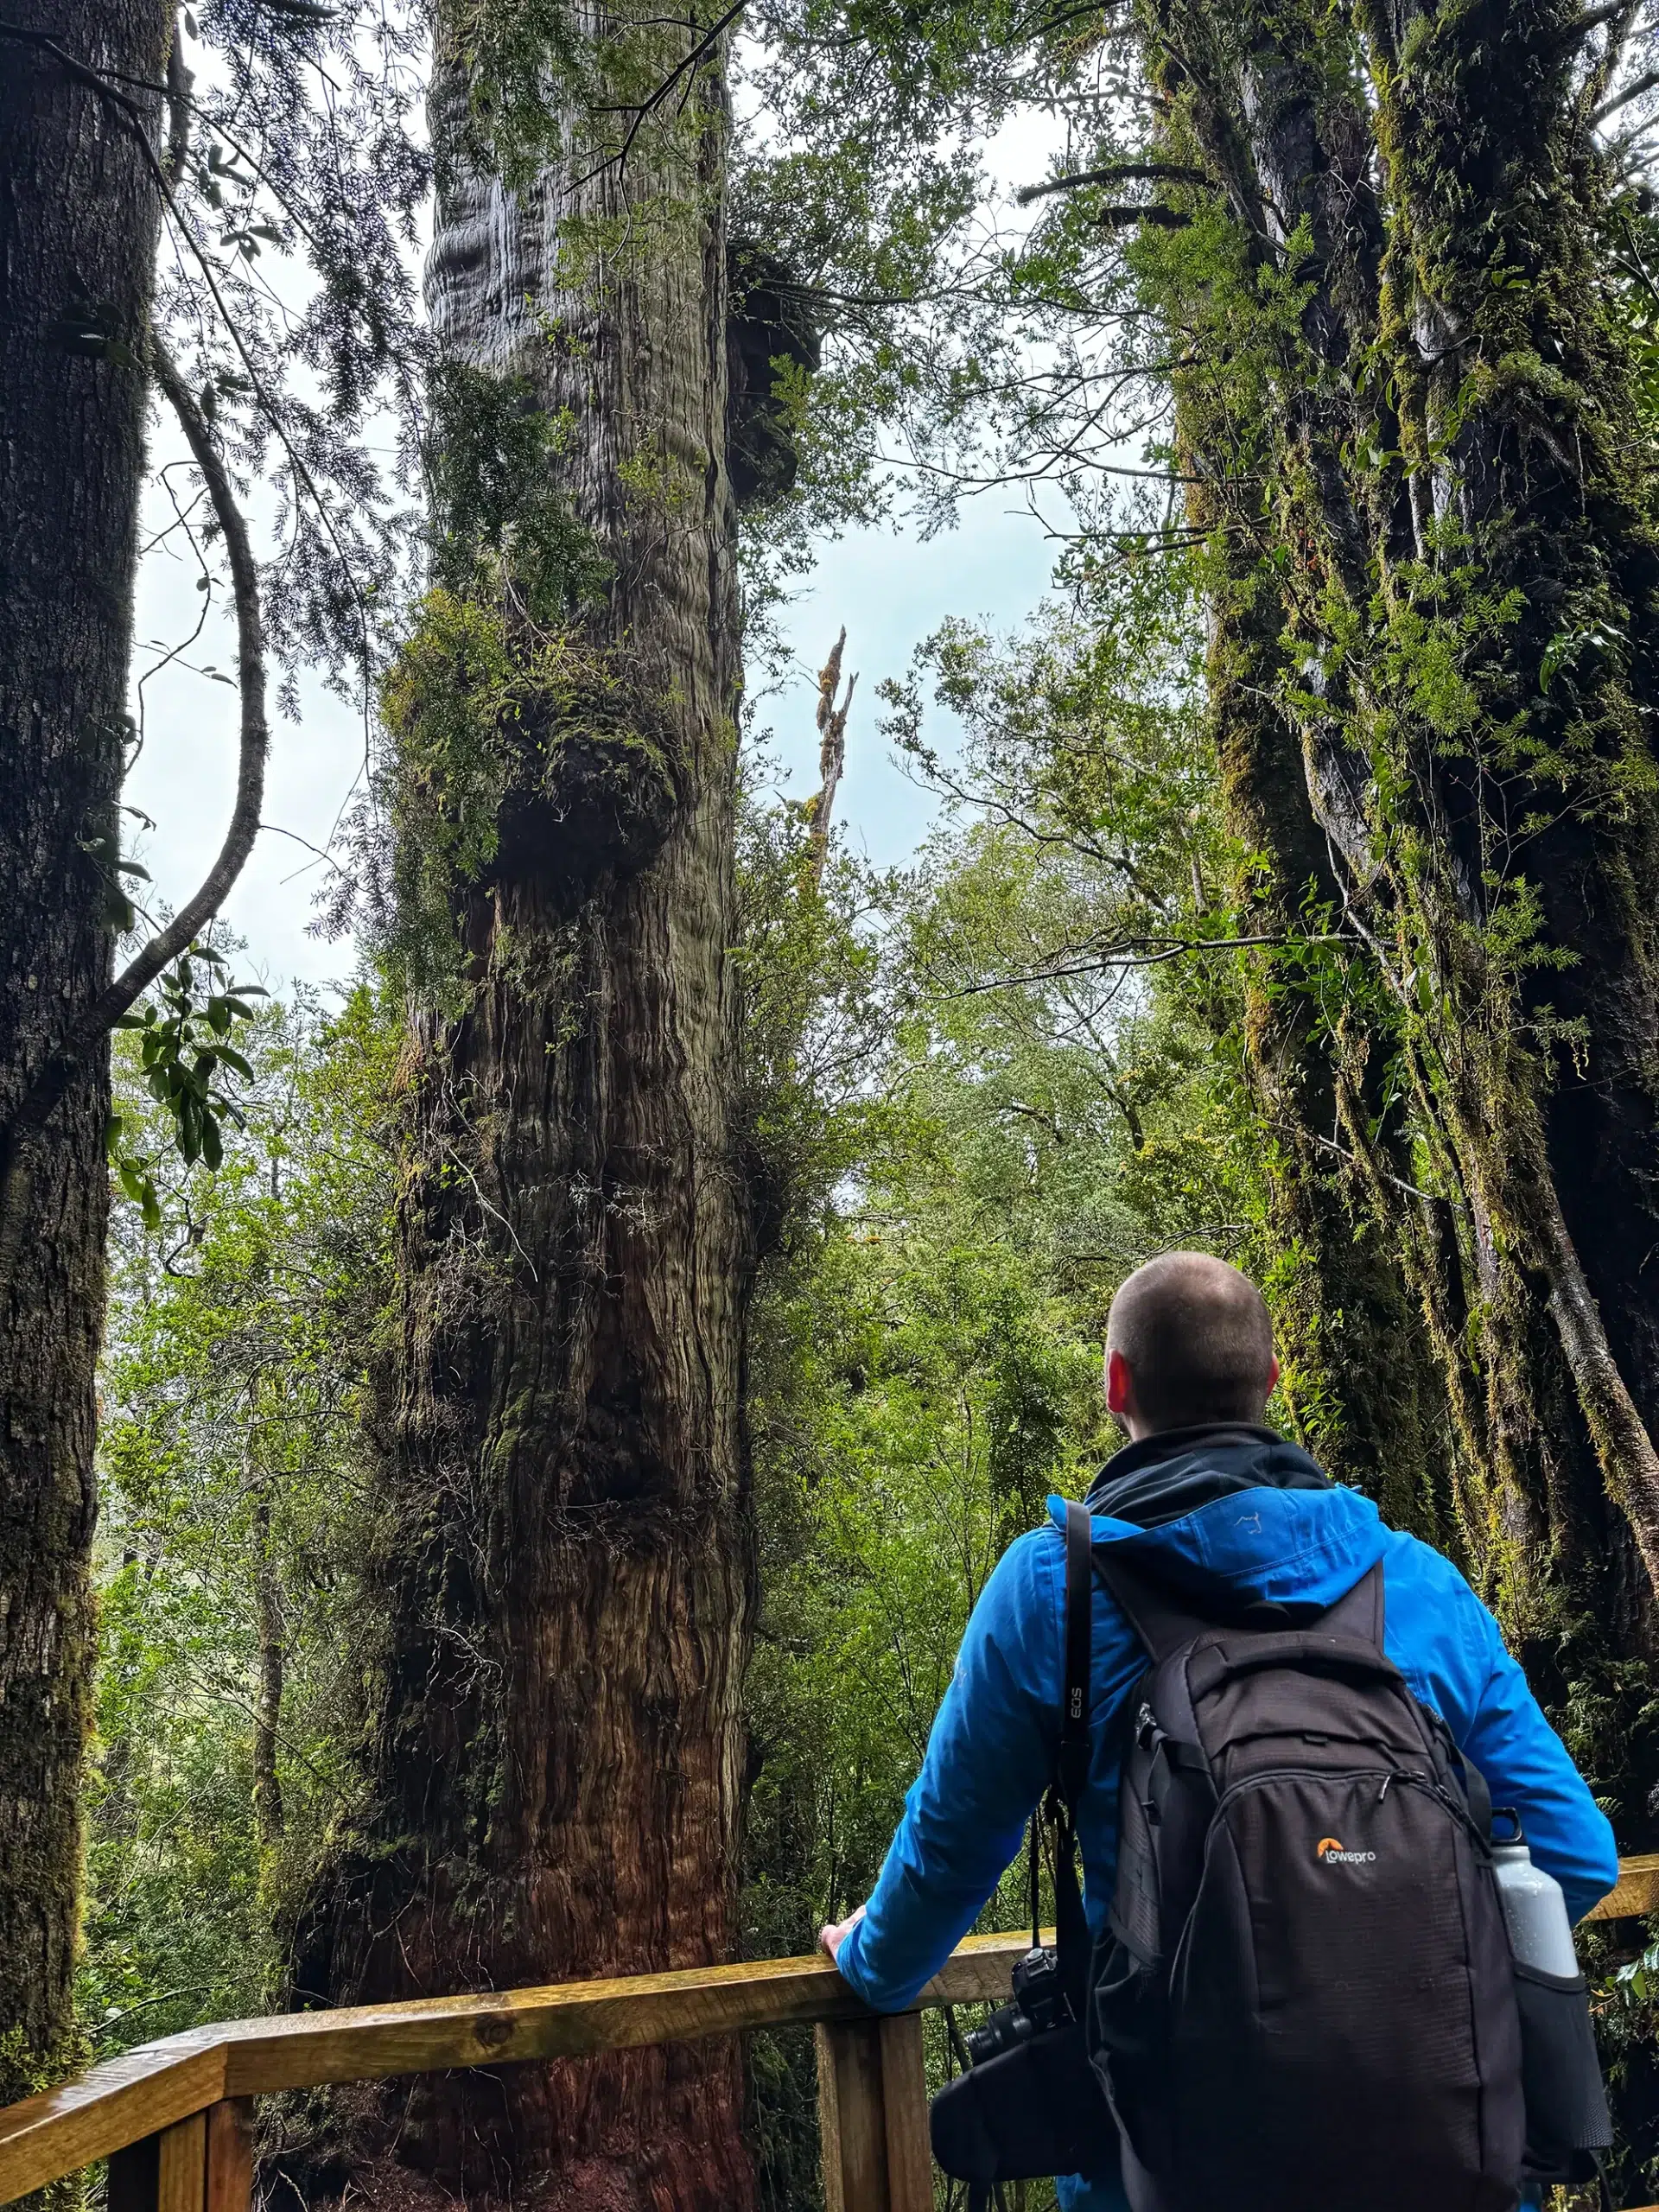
181	2166
903	2099
873	2116
204	2164
230	2154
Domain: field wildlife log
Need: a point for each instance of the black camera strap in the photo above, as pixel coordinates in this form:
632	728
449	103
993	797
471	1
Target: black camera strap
1071	1763
1079	1624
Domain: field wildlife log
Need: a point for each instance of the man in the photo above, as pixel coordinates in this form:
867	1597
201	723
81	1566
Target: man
1190	1365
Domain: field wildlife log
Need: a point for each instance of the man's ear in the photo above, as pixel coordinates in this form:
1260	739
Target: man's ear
1274	1373
1117	1382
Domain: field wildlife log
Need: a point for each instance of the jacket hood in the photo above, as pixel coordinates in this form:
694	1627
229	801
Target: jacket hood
1235	1510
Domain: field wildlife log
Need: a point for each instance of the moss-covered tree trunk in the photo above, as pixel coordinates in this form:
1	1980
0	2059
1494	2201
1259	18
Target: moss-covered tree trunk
1360	1380
555	1766
1425	451
78	224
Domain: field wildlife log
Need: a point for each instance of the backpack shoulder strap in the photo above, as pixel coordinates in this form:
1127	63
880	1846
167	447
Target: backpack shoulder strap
1360	1613
1073	1766
1155	1614
1164	1626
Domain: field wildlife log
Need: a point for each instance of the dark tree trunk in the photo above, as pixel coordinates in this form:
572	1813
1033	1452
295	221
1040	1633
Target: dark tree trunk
267	1684
77	227
1465	559
553	1779
1518	422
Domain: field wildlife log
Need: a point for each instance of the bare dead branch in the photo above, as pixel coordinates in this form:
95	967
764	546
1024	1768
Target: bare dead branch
832	752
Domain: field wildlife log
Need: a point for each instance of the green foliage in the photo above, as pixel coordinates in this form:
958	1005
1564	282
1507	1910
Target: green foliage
814	1012
245	1307
183	1041
930	1394
925	1364
497	505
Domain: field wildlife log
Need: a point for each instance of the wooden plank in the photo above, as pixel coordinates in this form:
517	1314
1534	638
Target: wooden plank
1638	1889
181	2167
134	2096
573	2020
978	1971
852	2120
118	2103
904	2106
230	2154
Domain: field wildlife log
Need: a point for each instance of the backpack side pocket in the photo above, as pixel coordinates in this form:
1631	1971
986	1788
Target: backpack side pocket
1568	2120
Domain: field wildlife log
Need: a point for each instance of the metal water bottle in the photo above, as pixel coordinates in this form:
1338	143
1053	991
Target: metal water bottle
1541	1934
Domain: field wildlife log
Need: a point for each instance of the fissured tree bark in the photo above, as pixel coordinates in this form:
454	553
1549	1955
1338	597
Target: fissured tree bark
553	1768
78	213
1419	420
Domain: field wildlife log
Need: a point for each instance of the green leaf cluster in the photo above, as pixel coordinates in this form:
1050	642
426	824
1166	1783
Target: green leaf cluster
180	1034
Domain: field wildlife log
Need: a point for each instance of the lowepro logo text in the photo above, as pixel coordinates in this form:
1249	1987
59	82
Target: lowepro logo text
1329	1852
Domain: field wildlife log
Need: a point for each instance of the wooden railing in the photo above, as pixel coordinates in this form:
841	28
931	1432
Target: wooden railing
174	2117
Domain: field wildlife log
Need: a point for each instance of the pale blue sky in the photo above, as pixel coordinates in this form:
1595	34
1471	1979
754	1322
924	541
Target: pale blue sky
889	589
892	590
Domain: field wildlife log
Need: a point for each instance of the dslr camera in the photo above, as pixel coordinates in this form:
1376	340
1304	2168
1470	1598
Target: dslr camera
1038	2004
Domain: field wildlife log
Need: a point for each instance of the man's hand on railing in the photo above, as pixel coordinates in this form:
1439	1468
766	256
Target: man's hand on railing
832	1935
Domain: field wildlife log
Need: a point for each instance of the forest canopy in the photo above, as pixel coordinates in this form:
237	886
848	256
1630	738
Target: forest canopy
499	1457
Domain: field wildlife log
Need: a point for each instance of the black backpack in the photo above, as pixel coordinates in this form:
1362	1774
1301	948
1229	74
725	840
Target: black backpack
1304	2001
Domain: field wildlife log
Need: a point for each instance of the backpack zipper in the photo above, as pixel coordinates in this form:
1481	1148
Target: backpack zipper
1426	1784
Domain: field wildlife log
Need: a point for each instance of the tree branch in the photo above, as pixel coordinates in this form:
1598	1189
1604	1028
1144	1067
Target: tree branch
692	63
1632	92
1120	216
34	1110
179	81
1141	952
1593	19
1116	172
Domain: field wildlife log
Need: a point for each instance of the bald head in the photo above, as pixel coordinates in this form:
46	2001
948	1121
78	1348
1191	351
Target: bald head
1188	1340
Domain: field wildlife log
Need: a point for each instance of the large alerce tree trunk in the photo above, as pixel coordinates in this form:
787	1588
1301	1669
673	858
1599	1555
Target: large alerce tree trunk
78	212
554	1768
1420	431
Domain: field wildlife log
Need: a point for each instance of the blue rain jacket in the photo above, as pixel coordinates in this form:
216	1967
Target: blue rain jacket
992	1751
